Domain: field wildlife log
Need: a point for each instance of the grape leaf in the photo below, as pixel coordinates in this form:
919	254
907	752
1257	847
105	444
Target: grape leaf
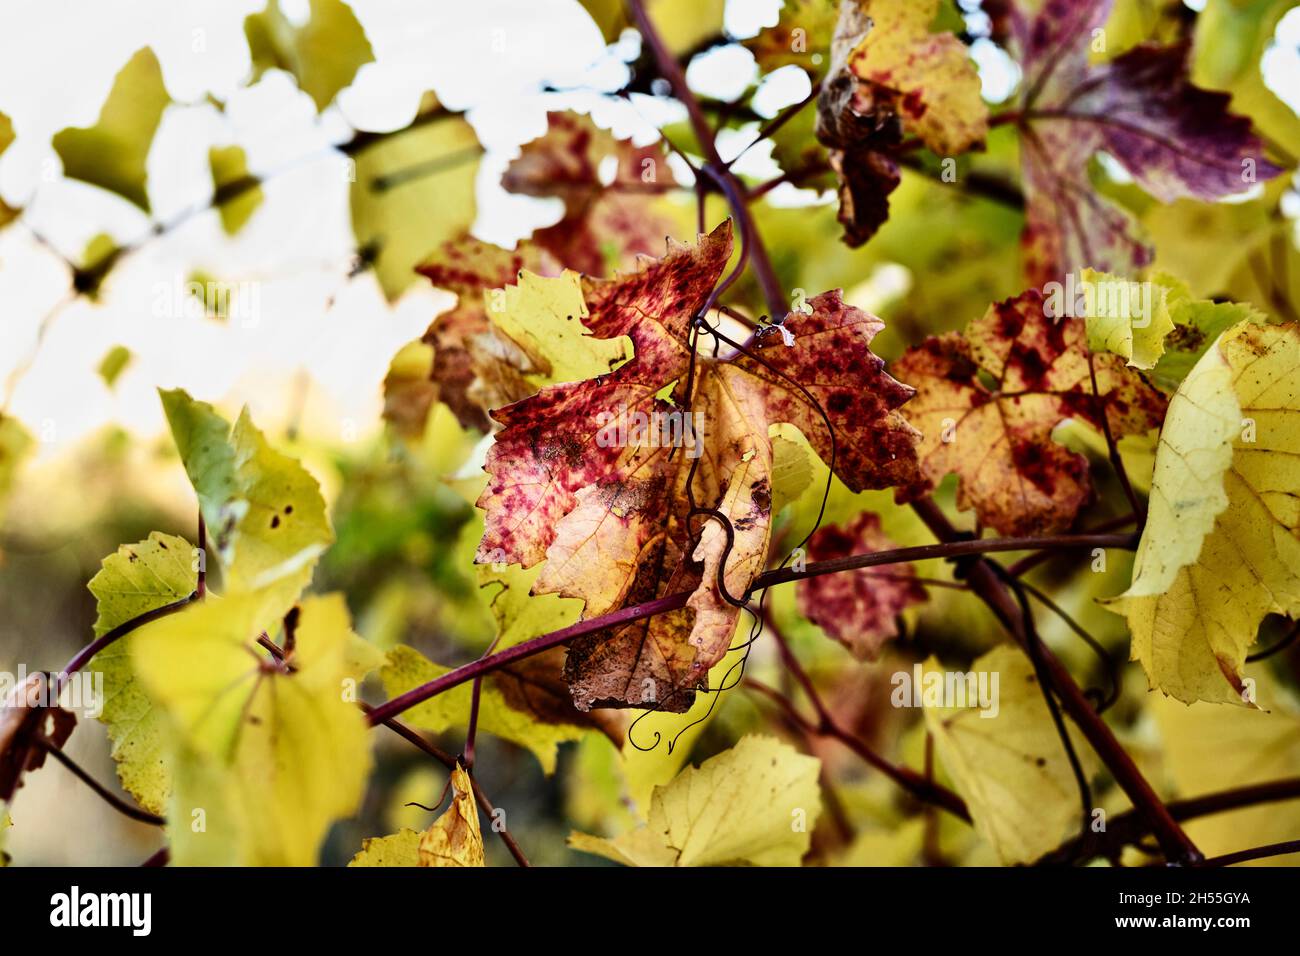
1175	139
997	437
608	510
323	54
264	511
1120	322
7	213
113	364
858	608
754	804
1206	746
400	849
112	154
888	75
413	191
608	187
455	838
800	37
1214	562
135	579
229	165
265	756
526	703
1011	768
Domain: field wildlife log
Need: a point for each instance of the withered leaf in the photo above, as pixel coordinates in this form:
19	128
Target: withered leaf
597	477
987	402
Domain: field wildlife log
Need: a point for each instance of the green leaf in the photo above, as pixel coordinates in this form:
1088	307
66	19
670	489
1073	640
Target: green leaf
323	54
1010	768
112	154
1198	598
265	758
1130	319
138	578
229	166
414	191
756	804
265	514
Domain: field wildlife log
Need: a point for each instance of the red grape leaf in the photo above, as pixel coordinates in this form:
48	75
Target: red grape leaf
857	608
609	511
987	402
607	185
1175	139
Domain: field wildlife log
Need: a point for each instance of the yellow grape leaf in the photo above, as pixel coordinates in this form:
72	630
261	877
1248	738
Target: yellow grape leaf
1011	768
930	75
266	757
112	154
801	37
397	850
544	716
229	166
323	54
1128	318
1209	748
138	578
544	317
1191	629
414	191
455	838
1187	492
756	803
7	212
265	515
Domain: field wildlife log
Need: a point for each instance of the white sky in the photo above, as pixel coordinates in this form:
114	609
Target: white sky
298	243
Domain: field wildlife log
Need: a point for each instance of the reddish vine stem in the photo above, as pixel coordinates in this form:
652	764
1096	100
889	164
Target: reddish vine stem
768	579
731	186
1174	843
112	799
918	785
1255	853
1128	827
83	656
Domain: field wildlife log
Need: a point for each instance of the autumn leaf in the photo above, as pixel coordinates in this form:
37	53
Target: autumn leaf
754	804
266	755
1175	139
610	514
608	187
136	579
112	154
987	402
1222	545
890	75
800	37
1007	761
455	838
858	608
